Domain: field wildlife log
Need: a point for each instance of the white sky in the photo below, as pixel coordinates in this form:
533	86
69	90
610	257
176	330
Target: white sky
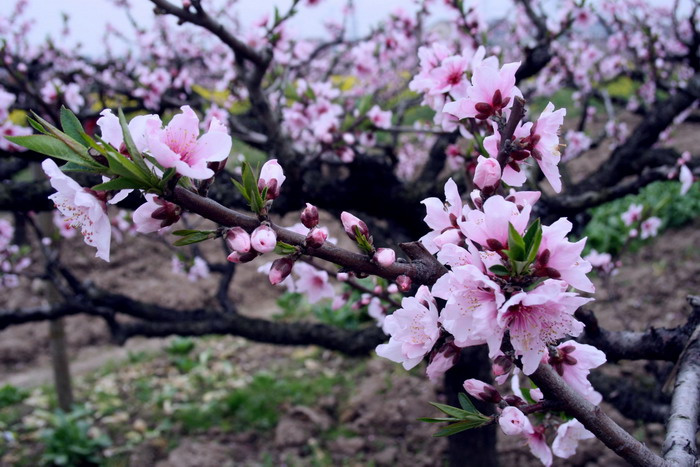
89	17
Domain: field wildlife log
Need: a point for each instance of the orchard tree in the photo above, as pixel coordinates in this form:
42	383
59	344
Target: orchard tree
414	137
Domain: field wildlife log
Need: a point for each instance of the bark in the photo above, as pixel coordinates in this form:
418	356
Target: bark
471	447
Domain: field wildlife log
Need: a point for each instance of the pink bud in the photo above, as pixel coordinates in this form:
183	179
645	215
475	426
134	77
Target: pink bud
271	177
236	257
238	240
482	391
514	422
349	224
404	283
281	267
263	239
378	290
315	238
393	288
309	216
342	276
384	257
365	298
487	174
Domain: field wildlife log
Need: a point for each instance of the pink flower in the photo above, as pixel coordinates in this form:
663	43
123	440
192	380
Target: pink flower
179	144
538	445
238	240
271	177
489	228
650	227
442	216
471	311
574	362
563	258
376	310
543	143
482	391
538	318
313	282
487	175
568	436
633	214
350	223
513	422
384	257
155	214
379	118
441	362
686	178
112	131
413	329
451	74
492	91
81	208
263	239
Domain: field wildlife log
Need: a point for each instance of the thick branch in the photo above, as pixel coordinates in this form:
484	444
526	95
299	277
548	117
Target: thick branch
680	446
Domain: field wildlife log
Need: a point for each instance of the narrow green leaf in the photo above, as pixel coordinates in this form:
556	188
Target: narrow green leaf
364	104
533	239
71	125
451	411
242	189
499	270
74	145
50	146
466	403
36	125
438	420
130	145
516	244
184	232
455	428
194	238
79	167
120	165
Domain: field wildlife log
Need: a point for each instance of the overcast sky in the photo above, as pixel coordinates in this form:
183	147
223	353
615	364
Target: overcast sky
89	17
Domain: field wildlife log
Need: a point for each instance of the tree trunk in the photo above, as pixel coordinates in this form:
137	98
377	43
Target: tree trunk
61	368
475	447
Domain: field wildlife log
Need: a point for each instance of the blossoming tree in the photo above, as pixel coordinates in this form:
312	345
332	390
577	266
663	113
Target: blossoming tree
379	126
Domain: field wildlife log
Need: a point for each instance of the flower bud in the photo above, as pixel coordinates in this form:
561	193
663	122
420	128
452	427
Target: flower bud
349	224
393	288
263	239
482	391
404	283
309	216
342	276
315	238
238	240
384	257
365	299
271	177
487	174
236	257
281	267
378	290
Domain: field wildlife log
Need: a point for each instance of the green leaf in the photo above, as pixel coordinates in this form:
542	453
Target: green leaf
438	420
533	239
363	242
466	403
242	189
36	125
50	146
451	411
195	238
285	249
73	167
130	145
516	244
71	125
459	427
121	183
499	270
184	232
74	145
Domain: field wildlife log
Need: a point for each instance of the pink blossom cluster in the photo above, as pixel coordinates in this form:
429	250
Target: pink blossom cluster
12	259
